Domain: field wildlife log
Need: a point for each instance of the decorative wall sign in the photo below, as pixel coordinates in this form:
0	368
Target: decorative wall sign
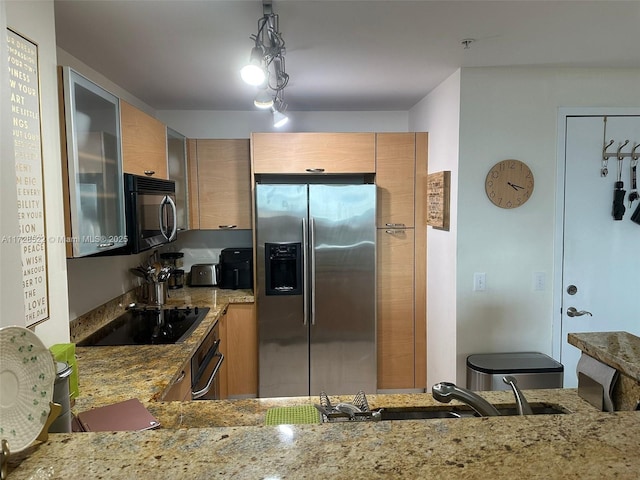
27	146
438	185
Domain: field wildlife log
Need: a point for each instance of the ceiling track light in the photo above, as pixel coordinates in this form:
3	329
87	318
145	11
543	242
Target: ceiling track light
266	68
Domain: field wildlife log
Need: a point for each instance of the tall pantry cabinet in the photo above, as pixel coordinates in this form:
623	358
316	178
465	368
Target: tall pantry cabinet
401	170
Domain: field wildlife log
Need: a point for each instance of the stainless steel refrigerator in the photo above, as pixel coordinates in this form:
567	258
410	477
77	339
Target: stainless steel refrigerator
316	301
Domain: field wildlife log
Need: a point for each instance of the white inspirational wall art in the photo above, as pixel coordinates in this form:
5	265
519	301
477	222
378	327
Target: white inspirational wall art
27	146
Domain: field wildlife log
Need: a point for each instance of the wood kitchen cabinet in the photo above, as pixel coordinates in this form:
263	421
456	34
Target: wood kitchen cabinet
401	170
395	308
395	179
304	153
180	390
220	183
239	344
144	143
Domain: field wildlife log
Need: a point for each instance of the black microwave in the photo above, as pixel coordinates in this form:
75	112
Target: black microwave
150	211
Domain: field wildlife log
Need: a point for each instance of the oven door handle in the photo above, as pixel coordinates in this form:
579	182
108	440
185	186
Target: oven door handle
201	393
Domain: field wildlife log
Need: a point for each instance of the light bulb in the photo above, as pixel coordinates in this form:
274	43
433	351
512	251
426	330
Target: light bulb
253	73
279	119
263	100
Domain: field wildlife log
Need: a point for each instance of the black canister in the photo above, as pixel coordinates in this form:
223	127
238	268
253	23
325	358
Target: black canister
62	424
174	260
176	279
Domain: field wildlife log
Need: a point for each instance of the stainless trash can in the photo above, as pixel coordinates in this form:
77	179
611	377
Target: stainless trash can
531	370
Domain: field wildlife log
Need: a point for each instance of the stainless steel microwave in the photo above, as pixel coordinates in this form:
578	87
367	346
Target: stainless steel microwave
150	211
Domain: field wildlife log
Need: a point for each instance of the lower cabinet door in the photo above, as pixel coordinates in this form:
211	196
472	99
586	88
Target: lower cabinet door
395	309
239	335
180	390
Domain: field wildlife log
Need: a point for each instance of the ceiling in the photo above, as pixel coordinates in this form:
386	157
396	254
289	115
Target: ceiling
340	55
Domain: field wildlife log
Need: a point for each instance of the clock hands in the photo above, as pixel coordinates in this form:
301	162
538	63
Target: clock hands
515	187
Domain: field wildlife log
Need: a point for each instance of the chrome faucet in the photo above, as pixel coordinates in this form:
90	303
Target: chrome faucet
445	392
521	403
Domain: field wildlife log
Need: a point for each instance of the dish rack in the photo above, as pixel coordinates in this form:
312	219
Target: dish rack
358	410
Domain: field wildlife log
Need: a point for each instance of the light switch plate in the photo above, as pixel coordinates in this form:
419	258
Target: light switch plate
479	282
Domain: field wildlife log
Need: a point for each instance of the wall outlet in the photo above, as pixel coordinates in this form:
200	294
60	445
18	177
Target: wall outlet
539	281
479	282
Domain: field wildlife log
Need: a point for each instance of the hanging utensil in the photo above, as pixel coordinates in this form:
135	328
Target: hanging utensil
618	193
633	194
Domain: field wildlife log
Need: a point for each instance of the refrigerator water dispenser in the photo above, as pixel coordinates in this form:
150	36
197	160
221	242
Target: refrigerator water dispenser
283	268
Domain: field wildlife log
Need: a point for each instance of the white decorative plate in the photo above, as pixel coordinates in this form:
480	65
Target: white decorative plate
27	375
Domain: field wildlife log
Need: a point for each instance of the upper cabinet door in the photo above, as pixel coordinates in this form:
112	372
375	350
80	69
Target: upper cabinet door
94	192
224	184
144	143
308	153
395	178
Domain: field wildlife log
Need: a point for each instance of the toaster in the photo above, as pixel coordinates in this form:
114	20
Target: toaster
204	275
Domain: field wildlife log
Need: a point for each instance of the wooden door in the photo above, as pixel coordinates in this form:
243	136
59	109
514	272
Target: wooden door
239	344
395	179
308	153
180	390
395	299
224	184
144	143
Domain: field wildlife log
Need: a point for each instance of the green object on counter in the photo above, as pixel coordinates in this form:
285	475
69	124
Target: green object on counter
66	352
292	415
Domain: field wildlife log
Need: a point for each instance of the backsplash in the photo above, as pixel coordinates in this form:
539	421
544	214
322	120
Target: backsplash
204	246
91	321
98	283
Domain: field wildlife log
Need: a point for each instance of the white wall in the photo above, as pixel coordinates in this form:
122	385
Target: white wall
512	113
439	114
35	21
221	124
65	59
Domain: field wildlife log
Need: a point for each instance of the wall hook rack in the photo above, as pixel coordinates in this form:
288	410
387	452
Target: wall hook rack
618	153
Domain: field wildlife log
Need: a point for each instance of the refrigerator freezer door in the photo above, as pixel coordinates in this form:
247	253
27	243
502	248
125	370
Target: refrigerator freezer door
281	215
343	302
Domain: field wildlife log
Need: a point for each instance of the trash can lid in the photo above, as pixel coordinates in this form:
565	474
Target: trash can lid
514	362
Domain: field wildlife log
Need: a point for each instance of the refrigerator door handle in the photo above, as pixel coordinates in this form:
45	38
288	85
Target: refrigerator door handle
312	250
305	273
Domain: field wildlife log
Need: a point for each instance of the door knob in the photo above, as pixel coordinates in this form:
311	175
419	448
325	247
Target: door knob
572	312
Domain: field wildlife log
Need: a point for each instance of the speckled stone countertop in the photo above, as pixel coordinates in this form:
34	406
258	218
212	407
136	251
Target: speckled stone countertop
228	438
575	446
112	374
620	350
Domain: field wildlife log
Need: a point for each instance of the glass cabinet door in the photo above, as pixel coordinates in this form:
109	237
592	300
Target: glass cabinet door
177	156
94	163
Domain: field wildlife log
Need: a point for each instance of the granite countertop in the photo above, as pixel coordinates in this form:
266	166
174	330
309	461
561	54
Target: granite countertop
620	350
113	374
578	446
228	438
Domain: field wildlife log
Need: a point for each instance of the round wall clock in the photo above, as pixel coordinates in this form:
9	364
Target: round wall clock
509	183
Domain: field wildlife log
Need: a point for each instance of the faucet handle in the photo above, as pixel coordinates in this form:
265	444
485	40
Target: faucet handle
521	402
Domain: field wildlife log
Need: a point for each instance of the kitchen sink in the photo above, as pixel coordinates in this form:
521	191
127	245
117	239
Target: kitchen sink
416	413
148	326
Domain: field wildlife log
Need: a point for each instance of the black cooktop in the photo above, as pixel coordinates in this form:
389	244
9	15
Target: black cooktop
148	326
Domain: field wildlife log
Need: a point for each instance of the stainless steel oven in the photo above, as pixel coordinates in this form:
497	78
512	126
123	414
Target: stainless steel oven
205	368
